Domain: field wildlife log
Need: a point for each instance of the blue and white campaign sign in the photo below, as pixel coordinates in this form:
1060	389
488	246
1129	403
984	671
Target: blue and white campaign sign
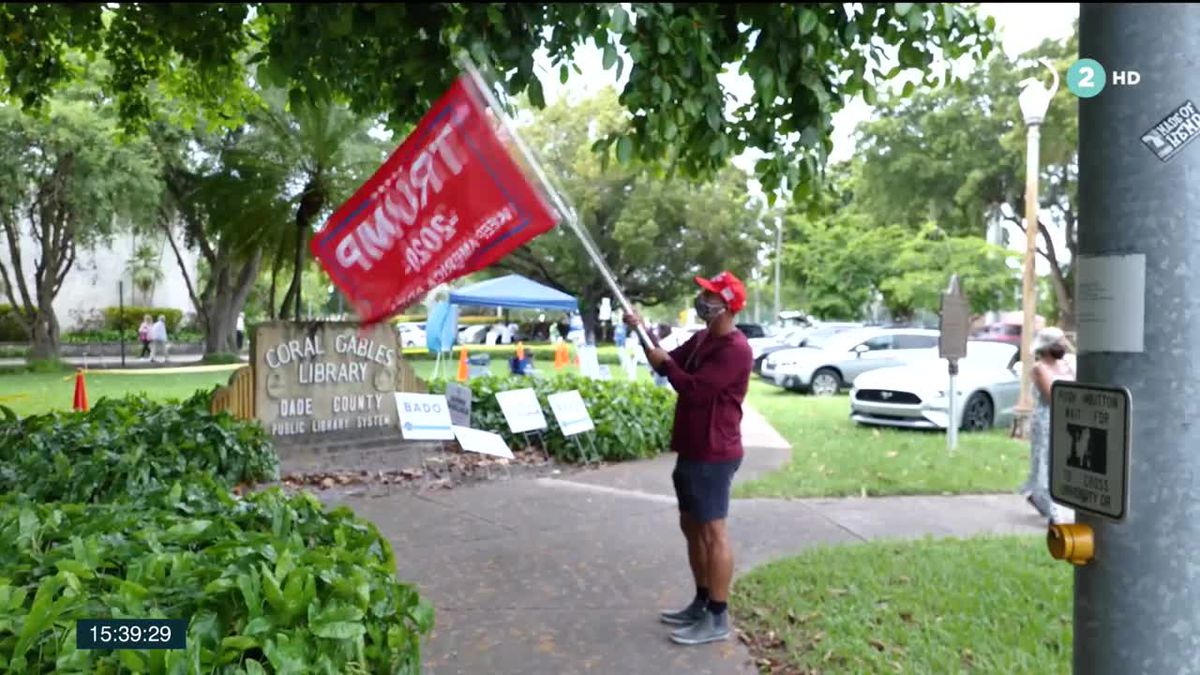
521	410
424	417
482	442
571	413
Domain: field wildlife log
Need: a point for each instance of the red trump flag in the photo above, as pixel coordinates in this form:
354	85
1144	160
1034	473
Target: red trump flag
450	201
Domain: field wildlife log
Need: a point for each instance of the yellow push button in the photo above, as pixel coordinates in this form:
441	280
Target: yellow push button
1072	542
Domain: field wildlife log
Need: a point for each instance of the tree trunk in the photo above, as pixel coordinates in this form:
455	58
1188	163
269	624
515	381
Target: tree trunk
44	333
589	310
311	203
227	301
271	299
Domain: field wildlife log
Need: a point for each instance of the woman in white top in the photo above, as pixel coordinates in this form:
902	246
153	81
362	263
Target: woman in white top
158	338
1049	349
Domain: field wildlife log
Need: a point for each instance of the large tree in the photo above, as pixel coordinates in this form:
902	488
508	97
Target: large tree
229	209
654	232
251	196
67	180
805	61
846	264
956	156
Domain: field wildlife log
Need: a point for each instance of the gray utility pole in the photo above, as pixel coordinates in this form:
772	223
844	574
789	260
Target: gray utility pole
1137	604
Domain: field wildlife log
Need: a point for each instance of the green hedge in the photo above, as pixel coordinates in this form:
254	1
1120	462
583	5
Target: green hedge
270	583
111	335
126	446
126	511
633	419
134	315
11	329
14	351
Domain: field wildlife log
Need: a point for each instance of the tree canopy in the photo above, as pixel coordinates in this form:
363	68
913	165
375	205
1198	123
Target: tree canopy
805	61
654	232
956	156
65	183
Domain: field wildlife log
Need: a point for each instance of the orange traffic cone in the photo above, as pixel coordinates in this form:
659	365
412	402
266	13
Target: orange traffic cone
560	356
463	370
80	403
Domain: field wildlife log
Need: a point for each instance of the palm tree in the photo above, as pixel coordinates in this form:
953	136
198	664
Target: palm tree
323	151
145	271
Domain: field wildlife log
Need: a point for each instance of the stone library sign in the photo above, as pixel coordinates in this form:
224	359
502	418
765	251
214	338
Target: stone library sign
316	378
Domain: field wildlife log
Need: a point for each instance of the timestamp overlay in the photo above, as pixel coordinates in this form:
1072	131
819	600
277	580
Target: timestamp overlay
131	634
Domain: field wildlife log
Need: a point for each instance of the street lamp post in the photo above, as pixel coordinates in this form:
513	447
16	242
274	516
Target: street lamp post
1035	101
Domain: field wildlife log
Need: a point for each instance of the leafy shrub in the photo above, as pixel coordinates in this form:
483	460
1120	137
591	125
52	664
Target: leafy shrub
112	335
11	329
270	583
633	419
133	317
125	511
123	447
13	351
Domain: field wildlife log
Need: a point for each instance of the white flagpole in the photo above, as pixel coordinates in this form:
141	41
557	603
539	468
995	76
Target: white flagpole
569	215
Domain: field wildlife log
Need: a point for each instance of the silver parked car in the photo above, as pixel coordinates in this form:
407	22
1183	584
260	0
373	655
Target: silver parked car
916	396
825	366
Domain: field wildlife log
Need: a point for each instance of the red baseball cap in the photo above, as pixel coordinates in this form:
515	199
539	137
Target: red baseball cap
729	287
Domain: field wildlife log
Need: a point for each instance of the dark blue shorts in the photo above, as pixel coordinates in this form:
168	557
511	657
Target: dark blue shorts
703	488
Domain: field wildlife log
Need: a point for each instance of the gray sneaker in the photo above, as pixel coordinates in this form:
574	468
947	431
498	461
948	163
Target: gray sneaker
686	616
710	628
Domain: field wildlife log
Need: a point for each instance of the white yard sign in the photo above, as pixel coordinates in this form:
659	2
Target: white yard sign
589	362
482	442
424	417
459	398
571	412
521	410
1089	448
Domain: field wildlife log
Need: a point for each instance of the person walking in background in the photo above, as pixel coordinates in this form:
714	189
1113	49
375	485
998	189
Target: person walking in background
241	330
158	339
144	335
1049	349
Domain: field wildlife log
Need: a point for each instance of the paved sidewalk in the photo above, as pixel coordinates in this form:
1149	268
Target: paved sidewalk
566	575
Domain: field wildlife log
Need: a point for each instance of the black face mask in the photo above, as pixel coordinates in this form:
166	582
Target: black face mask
1057	351
706	312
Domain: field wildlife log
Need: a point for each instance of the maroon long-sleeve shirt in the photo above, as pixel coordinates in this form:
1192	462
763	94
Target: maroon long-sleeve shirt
711	376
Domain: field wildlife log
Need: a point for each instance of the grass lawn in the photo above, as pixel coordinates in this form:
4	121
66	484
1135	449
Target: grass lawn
987	605
35	393
833	457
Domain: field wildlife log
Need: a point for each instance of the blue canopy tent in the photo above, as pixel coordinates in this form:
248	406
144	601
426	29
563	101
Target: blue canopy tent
515	292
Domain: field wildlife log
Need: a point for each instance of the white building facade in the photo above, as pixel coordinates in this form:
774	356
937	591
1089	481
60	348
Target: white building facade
94	281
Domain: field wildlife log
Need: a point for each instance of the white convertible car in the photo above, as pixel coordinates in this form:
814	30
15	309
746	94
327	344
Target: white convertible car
915	396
